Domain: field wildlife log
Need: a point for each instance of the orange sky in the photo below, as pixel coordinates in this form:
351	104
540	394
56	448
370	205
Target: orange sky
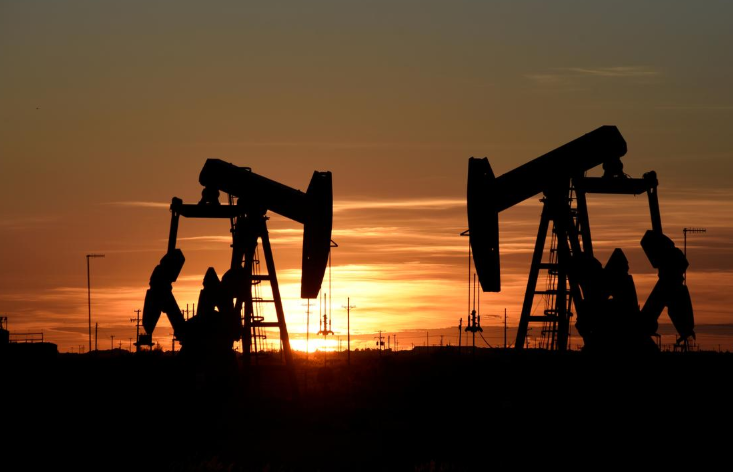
109	109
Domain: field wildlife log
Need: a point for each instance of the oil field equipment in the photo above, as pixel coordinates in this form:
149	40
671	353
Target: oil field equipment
604	297
227	309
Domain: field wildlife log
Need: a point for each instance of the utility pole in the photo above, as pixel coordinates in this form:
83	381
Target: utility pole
137	328
333	244
112	344
504	328
89	296
96	335
467	234
308	329
460	332
348	307
380	342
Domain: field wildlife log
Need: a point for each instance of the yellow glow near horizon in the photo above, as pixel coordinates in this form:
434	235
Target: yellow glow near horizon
316	344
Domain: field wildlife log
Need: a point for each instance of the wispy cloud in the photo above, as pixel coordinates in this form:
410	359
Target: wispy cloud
344	205
206	239
573	76
139	204
619	71
309	144
27	222
696	108
377	145
407	204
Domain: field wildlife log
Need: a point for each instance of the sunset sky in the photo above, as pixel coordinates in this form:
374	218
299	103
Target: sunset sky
110	108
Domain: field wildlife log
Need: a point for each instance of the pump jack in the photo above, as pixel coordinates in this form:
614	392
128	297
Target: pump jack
604	297
226	307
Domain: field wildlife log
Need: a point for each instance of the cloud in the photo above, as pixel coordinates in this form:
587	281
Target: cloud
696	108
619	71
346	205
307	144
28	222
377	145
573	76
133	204
206	239
407	204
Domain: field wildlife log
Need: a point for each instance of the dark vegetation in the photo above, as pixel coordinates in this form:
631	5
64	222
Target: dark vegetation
426	411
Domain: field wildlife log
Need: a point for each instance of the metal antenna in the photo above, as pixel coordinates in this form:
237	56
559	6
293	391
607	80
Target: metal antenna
348	307
89	297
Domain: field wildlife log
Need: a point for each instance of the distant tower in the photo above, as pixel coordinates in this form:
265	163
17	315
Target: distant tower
325	329
474	318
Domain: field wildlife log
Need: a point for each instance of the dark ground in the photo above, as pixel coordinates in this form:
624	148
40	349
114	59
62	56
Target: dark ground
428	411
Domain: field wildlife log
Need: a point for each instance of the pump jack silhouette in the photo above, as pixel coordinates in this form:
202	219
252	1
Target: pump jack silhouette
227	306
605	298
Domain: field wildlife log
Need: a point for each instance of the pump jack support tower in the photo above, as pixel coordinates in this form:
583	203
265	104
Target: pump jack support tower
604	297
215	331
